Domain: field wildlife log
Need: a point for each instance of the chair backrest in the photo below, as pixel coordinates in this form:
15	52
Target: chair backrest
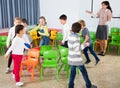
53	33
50	55
33	54
114	31
3	38
59	36
64	52
45	48
93	36
116	38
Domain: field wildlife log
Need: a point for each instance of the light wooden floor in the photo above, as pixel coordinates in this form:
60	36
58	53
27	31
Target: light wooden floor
105	75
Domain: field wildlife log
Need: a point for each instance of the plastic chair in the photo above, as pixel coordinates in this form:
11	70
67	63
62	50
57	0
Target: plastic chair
114	31
59	37
32	62
3	40
45	48
64	60
115	42
53	34
93	38
49	62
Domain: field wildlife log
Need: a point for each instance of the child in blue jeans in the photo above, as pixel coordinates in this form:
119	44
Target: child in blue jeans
74	57
86	36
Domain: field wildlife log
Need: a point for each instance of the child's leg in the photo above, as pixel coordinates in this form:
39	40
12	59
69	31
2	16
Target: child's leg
17	61
72	77
93	53
10	61
85	51
85	76
41	42
47	40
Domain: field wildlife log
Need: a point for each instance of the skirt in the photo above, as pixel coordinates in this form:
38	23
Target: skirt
102	32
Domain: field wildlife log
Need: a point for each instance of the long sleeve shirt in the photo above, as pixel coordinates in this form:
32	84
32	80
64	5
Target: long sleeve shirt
11	35
17	47
65	32
74	56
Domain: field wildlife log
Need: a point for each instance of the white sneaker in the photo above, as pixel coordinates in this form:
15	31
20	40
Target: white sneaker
13	75
7	70
19	84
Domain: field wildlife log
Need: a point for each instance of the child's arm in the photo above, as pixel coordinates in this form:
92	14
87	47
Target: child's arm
45	32
10	49
86	38
9	38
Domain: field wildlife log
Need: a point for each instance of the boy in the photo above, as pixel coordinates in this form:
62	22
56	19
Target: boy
86	36
74	57
11	34
65	30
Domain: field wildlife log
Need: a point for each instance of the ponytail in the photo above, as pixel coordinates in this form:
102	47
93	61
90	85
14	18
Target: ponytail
108	5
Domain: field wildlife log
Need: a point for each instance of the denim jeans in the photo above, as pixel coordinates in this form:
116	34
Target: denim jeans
84	74
44	41
90	48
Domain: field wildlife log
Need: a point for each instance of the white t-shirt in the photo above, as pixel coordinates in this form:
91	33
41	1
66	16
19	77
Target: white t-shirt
66	32
17	46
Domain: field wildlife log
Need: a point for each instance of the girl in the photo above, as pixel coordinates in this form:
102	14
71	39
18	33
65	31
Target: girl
17	47
105	15
43	31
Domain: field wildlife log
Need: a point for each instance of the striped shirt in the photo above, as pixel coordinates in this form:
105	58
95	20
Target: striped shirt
74	56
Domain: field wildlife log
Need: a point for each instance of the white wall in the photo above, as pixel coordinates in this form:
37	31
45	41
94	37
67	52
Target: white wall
74	9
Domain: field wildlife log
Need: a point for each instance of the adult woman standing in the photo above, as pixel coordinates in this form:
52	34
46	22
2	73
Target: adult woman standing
104	15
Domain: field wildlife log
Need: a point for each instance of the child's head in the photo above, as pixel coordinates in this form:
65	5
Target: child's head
106	5
42	21
83	24
17	21
76	27
63	19
24	22
19	29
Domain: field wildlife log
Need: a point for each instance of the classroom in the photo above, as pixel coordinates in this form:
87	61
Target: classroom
59	44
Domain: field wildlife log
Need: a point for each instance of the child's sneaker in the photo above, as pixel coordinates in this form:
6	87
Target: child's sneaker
94	86
7	70
19	84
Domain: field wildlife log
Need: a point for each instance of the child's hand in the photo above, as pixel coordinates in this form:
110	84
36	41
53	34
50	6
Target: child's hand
6	56
87	44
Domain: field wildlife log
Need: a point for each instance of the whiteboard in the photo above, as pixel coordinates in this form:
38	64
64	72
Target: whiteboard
115	5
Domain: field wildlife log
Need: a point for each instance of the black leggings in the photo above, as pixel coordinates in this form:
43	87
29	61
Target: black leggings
10	60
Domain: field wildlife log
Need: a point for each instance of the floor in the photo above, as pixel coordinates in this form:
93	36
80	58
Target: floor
105	75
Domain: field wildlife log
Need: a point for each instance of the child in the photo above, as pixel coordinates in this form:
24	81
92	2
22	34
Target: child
104	15
11	34
43	31
74	57
65	30
86	36
26	35
17	47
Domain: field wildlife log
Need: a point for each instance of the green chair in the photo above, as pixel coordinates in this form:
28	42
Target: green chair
49	62
81	39
45	48
93	38
114	42
3	40
64	60
59	37
114	31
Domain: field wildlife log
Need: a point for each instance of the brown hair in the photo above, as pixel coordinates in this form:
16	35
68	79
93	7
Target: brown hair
17	18
76	27
108	5
82	22
42	17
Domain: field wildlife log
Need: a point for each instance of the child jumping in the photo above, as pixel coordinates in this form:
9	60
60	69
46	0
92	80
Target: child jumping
86	36
74	57
17	47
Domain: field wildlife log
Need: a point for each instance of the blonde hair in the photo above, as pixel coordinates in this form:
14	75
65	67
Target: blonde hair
82	22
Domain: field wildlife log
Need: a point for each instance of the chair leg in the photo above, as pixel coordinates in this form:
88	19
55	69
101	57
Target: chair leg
32	74
60	68
41	73
57	72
